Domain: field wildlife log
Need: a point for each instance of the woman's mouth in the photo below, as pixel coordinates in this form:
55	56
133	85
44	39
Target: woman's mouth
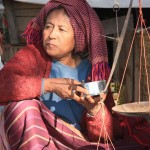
50	45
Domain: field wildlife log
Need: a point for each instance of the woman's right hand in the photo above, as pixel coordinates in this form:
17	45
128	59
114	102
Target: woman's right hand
65	88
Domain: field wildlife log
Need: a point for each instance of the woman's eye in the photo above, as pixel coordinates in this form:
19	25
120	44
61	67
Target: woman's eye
61	29
48	26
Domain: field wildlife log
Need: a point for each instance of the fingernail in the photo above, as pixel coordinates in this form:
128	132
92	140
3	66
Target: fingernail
82	98
87	96
87	93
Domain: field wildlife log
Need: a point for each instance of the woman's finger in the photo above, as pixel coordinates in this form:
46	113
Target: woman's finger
90	99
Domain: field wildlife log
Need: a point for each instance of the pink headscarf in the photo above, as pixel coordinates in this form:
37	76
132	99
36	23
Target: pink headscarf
87	29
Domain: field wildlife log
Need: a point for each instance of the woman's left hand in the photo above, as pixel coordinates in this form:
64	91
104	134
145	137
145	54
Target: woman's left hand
92	104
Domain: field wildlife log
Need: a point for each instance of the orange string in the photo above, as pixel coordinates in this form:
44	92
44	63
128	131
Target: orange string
142	54
127	61
143	50
106	135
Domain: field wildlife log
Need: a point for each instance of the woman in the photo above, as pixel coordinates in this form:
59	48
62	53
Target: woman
47	106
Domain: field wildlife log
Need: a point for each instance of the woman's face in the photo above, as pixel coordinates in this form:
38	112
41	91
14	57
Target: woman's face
58	35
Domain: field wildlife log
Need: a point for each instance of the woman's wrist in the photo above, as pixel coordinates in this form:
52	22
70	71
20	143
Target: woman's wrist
93	111
46	85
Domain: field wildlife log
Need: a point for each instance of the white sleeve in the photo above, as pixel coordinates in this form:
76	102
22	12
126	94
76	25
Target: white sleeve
1	64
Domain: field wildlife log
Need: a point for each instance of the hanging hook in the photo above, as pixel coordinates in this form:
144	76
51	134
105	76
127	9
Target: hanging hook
116	8
119	46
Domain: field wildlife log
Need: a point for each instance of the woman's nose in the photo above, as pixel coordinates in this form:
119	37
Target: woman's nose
53	33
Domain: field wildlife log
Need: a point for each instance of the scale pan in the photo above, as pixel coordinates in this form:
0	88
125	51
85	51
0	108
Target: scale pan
133	109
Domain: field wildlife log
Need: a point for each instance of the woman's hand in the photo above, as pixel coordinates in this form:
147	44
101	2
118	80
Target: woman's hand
94	107
65	88
72	89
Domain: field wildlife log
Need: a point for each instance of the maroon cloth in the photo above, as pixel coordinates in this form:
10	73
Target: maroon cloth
30	125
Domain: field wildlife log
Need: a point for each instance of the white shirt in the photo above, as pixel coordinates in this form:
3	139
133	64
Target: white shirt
1	64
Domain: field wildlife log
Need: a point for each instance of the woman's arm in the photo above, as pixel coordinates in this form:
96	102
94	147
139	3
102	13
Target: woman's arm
103	123
21	77
99	124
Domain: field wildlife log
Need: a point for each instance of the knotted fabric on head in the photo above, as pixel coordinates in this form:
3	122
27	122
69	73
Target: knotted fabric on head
87	30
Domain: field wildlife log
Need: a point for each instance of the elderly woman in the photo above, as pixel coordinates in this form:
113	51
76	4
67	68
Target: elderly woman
47	106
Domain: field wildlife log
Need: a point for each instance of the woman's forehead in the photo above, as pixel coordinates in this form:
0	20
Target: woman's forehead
58	11
58	15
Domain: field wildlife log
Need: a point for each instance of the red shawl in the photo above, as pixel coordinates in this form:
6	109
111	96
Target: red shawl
87	29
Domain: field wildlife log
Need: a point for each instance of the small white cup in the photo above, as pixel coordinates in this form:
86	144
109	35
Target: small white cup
96	87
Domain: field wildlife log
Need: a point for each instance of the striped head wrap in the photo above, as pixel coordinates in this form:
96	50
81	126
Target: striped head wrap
87	30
